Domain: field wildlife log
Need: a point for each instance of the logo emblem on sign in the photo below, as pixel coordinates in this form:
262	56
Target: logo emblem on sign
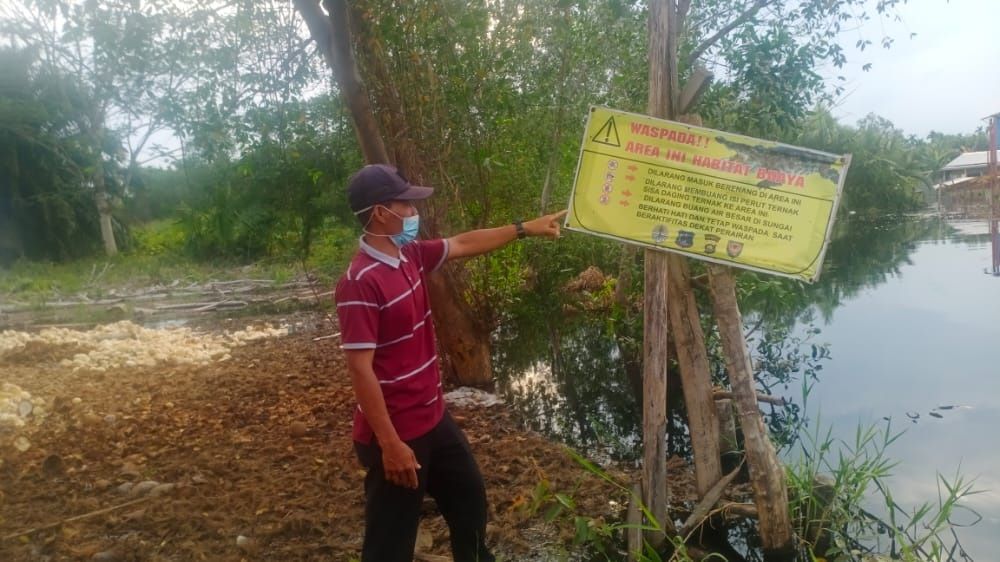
660	233
685	239
734	248
711	241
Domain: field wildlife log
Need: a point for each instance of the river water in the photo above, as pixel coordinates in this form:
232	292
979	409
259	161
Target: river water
910	320
927	337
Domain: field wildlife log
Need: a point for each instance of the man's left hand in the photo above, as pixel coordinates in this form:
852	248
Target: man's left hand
547	225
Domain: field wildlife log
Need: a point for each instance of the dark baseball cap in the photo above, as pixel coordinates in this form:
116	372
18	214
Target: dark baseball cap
380	183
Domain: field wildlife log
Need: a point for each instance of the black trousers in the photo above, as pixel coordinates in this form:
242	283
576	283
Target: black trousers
448	472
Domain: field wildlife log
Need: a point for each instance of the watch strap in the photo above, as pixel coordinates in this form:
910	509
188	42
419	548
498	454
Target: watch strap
519	227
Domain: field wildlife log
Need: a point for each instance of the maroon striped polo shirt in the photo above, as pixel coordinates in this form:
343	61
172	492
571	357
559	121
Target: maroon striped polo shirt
382	304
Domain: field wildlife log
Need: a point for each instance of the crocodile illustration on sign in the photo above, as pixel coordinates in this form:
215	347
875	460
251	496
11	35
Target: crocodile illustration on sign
786	159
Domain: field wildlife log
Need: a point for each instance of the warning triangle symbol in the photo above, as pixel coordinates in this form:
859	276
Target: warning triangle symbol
608	134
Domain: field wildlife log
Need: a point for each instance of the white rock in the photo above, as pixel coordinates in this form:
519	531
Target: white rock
124	344
22	444
162	489
143	488
468	396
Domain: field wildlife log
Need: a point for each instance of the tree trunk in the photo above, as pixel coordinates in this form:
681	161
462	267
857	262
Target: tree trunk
101	199
464	345
766	474
464	342
104	211
333	35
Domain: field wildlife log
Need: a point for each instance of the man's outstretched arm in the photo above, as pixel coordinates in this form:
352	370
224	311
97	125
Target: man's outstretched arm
477	242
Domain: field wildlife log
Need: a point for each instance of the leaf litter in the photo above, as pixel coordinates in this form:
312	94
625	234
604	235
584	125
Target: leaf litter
251	455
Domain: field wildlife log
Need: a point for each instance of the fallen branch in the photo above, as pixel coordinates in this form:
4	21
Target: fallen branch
221	304
301	296
202	306
62	522
726	395
704	507
238	281
318	338
747	510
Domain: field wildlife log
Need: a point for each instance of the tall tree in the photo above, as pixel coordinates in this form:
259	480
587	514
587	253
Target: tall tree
45	210
125	56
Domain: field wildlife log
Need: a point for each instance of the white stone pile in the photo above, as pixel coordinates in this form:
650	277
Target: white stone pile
17	405
125	344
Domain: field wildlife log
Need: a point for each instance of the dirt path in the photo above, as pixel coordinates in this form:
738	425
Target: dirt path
257	446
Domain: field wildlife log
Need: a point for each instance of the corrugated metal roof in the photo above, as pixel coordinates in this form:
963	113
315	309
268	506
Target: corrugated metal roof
967	160
956	181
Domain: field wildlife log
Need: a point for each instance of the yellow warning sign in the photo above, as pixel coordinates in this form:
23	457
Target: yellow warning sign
709	195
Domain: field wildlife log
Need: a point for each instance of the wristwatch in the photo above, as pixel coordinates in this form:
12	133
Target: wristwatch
519	227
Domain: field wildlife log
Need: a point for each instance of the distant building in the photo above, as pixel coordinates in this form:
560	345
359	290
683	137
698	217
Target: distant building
963	189
965	165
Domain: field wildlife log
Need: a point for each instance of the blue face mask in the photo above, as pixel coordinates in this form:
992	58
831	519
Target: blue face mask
411	227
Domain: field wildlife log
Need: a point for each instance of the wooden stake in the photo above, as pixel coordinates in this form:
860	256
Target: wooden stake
766	474
696	380
633	518
662	80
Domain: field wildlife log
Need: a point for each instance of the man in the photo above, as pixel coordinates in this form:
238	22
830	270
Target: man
403	434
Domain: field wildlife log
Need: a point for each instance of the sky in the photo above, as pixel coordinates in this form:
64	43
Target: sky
944	79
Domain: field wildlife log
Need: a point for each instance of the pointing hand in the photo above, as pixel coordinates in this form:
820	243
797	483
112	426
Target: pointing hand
547	225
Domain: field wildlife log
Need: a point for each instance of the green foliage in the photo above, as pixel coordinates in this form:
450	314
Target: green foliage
275	198
163	237
155	194
883	178
831	487
832	483
47	210
782	359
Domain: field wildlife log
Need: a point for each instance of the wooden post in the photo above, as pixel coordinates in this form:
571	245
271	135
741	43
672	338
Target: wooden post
696	379
633	518
766	474
662	83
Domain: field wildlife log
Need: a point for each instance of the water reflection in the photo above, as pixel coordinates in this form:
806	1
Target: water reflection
577	391
565	372
910	320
